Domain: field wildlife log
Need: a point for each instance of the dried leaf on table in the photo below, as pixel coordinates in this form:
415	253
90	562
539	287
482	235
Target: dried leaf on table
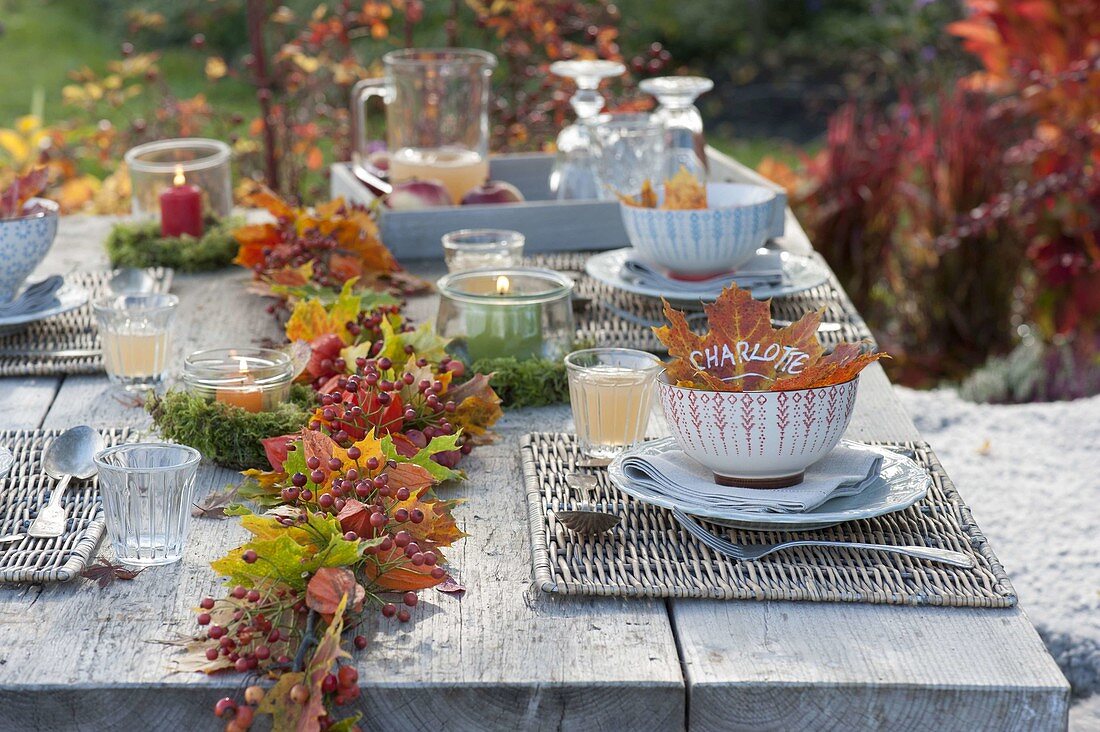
104	573
214	504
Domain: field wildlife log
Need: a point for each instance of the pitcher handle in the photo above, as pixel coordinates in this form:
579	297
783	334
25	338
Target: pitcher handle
360	93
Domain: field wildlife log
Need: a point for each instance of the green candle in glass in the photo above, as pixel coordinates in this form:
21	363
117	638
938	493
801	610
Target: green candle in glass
521	312
495	330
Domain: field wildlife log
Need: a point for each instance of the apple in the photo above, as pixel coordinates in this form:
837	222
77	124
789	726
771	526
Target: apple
493	191
415	195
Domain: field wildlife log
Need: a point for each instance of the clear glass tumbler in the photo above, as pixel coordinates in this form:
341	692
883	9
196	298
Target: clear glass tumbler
611	392
135	335
467	249
683	123
630	149
147	491
574	175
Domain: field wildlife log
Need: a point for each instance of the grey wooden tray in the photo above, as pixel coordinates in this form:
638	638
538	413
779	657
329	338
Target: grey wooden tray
548	224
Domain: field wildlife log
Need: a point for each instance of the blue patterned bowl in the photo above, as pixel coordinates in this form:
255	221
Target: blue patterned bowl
24	243
703	242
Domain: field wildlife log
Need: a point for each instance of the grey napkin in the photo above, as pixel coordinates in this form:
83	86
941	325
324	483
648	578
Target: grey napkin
36	297
843	472
764	269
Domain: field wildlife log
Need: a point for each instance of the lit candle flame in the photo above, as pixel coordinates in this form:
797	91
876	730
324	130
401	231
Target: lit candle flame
503	285
179	178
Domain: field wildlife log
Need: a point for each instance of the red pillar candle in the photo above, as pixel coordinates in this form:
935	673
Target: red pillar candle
181	208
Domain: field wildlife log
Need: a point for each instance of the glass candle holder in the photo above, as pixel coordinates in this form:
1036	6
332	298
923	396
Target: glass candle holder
203	164
147	491
467	249
254	379
611	393
520	312
135	335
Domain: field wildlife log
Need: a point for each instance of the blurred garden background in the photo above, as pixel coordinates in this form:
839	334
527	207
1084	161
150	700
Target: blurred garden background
942	154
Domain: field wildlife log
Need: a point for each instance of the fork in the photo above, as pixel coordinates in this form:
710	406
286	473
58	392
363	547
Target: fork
751	553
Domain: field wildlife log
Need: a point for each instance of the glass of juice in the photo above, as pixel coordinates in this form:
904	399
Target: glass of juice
611	393
135	335
437	116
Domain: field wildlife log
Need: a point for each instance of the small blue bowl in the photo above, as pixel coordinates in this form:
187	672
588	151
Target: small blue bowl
699	243
24	242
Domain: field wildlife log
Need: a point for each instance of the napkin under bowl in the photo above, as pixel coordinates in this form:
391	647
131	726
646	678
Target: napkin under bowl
761	439
844	471
703	242
764	269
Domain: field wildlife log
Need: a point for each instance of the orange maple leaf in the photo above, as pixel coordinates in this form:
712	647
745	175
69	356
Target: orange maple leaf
741	351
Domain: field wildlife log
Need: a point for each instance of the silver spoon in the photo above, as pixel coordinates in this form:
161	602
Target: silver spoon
586	519
69	456
132	281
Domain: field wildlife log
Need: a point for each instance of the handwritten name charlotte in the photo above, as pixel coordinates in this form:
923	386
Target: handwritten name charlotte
786	359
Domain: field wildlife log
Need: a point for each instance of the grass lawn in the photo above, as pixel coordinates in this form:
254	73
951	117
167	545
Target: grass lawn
43	40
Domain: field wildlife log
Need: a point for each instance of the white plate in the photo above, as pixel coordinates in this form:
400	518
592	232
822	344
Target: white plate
901	483
800	273
69	297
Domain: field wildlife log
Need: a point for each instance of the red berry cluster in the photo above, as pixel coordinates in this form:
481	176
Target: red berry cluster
383	398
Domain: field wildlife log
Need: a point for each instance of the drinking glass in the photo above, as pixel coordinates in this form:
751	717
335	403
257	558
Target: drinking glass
437	116
147	491
574	175
134	333
686	146
481	248
630	149
611	392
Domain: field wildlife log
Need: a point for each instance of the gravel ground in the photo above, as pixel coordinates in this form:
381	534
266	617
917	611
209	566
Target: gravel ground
1030	474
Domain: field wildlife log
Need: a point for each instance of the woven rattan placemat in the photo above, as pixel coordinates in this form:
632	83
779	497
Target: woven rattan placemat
649	555
29	352
26	489
611	317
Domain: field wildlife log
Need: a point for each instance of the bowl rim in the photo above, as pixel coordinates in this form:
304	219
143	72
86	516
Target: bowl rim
54	210
662	381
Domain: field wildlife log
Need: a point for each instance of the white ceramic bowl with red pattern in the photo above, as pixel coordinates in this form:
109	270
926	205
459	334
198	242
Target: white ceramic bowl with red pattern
758	439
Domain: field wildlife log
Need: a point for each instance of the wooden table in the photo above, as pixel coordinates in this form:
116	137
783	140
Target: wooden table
505	656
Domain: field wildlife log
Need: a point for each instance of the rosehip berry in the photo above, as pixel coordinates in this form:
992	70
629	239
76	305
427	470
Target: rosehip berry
347	676
299	693
401	515
360	642
225	706
248	556
203	619
416	515
402	494
254	694
253	596
211	654
215	632
389	610
328	684
402	539
438	572
410	599
206	603
403	615
239	592
351	536
313	462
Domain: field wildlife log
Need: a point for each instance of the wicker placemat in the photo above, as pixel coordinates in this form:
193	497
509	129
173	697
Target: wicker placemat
611	317
25	490
28	352
649	555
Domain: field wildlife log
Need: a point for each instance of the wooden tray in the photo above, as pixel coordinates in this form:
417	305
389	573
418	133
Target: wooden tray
548	224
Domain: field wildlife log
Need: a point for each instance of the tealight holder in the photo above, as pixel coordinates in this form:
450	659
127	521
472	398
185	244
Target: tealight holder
482	248
254	379
203	163
521	312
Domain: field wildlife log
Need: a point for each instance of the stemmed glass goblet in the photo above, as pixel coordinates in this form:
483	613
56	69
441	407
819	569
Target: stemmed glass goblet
574	175
684	141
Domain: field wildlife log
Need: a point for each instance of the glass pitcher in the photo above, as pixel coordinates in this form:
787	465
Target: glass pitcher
437	115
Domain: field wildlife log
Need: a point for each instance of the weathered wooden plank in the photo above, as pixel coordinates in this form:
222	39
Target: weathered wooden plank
503	657
824	666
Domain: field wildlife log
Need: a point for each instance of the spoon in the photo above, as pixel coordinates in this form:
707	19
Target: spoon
586	519
132	281
69	456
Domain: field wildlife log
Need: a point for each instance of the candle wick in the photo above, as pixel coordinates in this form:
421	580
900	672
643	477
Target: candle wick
503	285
